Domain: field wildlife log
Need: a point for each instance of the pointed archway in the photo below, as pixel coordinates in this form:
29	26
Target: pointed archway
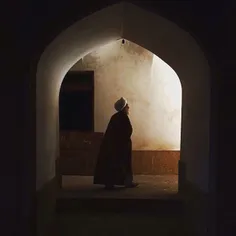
162	37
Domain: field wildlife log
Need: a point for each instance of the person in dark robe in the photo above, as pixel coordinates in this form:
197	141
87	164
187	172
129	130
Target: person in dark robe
114	162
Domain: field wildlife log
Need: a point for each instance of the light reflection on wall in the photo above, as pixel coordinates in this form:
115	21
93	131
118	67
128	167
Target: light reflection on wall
151	86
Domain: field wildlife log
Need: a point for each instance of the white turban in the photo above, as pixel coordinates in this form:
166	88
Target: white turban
120	104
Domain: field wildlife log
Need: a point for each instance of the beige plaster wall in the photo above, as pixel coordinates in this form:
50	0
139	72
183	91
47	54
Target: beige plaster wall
152	88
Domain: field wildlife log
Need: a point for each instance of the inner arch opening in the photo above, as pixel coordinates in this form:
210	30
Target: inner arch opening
154	94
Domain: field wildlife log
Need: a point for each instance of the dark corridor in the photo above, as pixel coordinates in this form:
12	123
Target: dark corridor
76	101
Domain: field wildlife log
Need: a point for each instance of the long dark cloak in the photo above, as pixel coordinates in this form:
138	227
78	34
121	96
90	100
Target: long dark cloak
114	159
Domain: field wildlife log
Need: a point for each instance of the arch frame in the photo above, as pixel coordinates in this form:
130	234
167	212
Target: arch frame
155	33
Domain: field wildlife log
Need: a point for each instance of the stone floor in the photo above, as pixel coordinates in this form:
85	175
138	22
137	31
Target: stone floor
150	187
166	220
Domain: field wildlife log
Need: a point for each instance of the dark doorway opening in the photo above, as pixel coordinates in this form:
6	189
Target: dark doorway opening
76	101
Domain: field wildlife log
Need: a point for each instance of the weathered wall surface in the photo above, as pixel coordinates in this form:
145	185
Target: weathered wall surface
152	88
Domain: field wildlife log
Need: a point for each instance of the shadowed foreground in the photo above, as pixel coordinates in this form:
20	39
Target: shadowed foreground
152	209
119	224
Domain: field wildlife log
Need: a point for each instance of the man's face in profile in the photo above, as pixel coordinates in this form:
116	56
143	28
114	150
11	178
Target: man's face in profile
126	109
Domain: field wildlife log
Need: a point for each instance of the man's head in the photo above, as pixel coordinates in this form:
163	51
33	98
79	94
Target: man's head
122	105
